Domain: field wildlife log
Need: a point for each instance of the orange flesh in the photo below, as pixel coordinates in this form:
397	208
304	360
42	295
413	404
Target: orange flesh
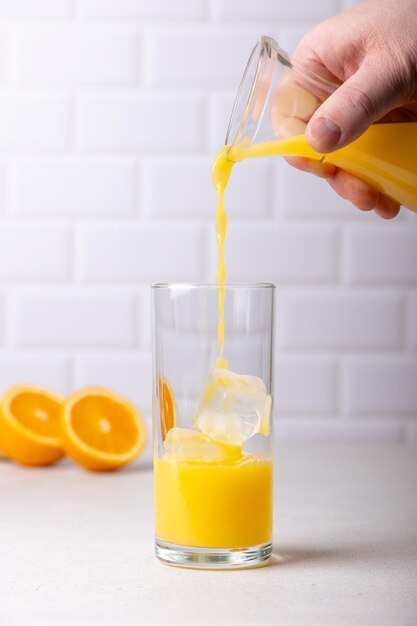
167	410
37	413
103	424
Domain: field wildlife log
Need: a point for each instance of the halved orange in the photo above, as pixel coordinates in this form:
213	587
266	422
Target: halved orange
101	430
167	409
29	425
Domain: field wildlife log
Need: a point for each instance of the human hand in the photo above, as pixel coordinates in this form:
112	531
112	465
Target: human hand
371	50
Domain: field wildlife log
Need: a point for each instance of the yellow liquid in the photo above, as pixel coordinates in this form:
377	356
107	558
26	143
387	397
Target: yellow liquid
385	156
214	505
220	176
228	504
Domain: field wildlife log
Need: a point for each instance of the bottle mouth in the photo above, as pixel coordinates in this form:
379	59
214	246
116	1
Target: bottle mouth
258	79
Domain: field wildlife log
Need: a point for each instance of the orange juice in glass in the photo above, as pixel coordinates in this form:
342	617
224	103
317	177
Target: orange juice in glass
213	426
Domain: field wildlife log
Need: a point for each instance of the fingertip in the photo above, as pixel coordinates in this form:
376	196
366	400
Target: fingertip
386	207
363	196
355	190
323	134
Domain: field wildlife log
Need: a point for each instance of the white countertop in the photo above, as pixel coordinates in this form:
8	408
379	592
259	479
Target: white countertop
77	548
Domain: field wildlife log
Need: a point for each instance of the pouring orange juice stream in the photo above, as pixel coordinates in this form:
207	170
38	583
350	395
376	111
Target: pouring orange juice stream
206	486
384	156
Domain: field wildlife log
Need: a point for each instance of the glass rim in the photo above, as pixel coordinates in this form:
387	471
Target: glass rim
237	286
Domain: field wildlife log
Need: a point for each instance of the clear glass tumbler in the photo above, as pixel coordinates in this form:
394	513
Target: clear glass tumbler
212	428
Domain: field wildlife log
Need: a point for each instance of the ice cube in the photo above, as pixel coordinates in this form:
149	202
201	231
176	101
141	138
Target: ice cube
233	407
185	444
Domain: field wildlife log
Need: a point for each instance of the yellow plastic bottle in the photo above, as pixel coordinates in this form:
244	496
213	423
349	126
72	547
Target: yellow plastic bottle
385	156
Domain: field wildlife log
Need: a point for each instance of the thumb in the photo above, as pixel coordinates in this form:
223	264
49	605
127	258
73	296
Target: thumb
361	100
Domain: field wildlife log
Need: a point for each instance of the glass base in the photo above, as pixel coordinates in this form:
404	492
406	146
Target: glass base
212	558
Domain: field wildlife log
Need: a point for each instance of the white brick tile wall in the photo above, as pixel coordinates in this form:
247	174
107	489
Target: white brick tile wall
2	319
135	122
290	34
111	112
140	253
34	10
347	4
74	54
306	384
412	321
199	59
270	9
250	190
145	318
29	121
412	431
75	318
329	430
176	10
50	371
129	374
302	195
188	190
381	385
4	55
3	169
339	320
73	186
278	253
220	106
381	253
32	252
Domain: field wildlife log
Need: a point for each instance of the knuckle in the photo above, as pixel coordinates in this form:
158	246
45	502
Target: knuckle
360	100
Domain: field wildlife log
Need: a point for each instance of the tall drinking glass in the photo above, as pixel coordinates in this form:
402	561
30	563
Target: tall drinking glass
212	428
